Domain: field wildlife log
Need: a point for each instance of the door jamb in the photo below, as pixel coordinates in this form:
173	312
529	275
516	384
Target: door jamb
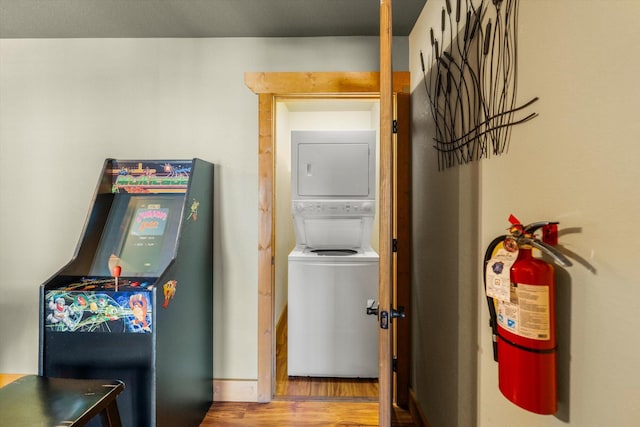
269	86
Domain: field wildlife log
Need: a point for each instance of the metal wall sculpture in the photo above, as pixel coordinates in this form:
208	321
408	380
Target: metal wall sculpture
471	80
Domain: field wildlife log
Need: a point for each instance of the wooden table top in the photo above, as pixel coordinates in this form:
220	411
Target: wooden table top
32	400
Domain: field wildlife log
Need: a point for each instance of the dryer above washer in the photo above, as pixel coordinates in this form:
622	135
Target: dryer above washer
333	164
333	187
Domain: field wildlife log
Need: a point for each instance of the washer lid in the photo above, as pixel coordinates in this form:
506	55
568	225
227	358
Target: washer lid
309	255
334	252
332	233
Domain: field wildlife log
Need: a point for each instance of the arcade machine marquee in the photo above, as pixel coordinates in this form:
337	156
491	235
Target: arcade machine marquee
135	302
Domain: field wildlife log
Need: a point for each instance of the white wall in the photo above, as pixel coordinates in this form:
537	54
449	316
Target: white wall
66	105
285	237
575	163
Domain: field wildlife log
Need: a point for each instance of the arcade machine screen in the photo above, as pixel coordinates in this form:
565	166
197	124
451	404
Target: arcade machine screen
140	236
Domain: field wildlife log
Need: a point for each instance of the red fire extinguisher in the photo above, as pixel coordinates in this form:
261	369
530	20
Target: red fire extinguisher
520	291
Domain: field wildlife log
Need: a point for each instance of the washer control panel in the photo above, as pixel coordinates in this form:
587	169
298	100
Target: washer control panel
333	207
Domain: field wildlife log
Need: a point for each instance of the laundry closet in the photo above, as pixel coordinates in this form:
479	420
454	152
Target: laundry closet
326	235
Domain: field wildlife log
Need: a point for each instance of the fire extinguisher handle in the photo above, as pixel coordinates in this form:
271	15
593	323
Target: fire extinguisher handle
531	228
548	249
494	343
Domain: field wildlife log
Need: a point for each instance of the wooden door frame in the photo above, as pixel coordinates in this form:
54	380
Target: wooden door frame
385	285
268	87
402	237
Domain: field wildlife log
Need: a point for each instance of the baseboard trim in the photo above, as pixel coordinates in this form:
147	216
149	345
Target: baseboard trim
416	411
235	390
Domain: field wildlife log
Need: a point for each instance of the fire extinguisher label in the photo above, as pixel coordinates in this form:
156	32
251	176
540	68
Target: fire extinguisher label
498	274
527	312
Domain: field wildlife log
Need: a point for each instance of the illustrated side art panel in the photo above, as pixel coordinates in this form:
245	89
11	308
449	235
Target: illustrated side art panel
97	311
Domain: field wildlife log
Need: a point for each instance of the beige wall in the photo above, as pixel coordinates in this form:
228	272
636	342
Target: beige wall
67	104
576	163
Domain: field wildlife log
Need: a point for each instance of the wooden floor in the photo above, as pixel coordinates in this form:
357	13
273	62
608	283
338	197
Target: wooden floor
309	388
282	413
307	401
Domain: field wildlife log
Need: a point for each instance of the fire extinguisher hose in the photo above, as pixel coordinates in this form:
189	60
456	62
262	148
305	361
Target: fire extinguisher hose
493	318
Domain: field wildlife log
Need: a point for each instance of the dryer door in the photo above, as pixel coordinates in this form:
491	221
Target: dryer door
329	170
333	163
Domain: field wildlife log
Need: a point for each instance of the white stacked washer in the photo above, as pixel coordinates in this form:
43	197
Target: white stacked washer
333	272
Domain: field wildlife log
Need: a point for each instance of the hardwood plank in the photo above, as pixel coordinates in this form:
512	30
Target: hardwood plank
293	413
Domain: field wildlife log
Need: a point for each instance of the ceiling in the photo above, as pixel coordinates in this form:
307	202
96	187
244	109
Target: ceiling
200	18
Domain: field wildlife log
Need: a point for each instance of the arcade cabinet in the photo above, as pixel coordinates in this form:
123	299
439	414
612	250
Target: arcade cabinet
135	302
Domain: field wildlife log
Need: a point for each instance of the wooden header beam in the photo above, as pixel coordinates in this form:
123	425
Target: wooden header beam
323	82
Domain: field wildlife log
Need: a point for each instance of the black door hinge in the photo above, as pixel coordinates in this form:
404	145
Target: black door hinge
394	364
394	245
395	126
